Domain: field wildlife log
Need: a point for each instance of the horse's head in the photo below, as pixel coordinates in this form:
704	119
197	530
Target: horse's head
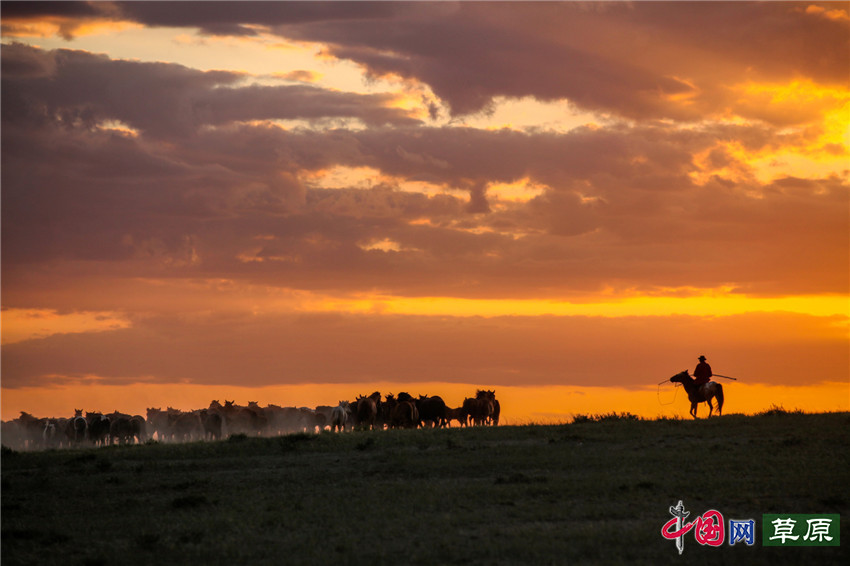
680	377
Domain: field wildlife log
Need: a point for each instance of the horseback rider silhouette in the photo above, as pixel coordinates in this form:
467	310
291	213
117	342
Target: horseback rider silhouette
702	373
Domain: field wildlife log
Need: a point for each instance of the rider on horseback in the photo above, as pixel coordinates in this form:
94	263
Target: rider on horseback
702	373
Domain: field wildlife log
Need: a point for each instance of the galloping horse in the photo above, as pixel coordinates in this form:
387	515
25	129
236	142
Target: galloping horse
700	393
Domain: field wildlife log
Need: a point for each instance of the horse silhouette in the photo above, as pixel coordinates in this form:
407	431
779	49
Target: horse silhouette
339	416
480	409
432	410
98	428
402	411
79	425
366	410
700	393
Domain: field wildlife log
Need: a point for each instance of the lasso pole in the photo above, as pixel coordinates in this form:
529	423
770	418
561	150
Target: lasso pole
725	376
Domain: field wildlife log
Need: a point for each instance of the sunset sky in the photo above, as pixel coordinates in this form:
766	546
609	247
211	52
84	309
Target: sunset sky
295	203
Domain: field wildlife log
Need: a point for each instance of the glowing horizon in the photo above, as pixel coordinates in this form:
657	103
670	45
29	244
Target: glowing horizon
25	324
520	405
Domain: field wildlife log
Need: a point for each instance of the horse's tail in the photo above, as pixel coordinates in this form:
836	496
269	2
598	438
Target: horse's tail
719	399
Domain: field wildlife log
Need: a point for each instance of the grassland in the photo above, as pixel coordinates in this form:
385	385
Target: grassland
593	492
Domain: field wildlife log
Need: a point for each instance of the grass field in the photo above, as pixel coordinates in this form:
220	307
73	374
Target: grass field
593	492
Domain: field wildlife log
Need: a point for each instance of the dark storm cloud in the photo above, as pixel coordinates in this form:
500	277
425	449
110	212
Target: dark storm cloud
25	10
237	18
640	60
618	57
293	102
76	87
211	18
68	16
81	88
620	205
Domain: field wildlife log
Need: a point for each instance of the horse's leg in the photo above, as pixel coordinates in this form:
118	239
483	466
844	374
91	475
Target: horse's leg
694	410
710	407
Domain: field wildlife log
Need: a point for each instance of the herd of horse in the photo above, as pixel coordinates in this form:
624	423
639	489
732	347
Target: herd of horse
223	420
220	421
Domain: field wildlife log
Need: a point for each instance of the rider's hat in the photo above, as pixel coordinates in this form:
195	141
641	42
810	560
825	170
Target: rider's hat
701	358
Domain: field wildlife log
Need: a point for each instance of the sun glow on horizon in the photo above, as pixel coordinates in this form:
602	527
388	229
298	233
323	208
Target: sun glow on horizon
551	404
19	325
705	304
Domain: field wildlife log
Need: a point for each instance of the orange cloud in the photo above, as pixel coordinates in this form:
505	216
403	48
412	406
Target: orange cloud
799	101
261	349
300	75
836	14
66	27
19	325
